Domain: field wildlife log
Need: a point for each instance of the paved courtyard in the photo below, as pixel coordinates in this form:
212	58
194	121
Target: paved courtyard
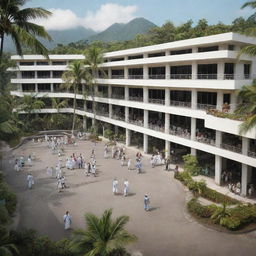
166	230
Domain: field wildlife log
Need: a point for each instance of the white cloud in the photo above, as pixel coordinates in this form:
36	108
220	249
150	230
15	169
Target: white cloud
109	14
60	20
99	20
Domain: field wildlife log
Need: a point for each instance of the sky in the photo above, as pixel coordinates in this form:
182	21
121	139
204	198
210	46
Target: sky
100	14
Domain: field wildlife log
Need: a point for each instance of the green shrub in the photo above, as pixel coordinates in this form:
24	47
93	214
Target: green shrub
9	197
109	134
4	216
220	213
201	211
232	223
244	213
197	187
184	177
191	165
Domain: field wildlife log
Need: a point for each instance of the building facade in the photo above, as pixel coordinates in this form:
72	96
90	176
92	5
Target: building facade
169	95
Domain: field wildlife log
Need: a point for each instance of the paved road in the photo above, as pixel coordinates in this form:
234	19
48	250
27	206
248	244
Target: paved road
165	230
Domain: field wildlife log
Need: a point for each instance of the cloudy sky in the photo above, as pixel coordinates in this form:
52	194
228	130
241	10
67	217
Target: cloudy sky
100	14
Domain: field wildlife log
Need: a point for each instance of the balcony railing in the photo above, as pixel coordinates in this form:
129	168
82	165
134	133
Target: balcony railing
206	140
135	77
179	131
118	117
180	103
117	96
181	76
117	77
157	76
156	101
102	113
133	98
252	154
136	122
101	95
231	148
156	127
205	106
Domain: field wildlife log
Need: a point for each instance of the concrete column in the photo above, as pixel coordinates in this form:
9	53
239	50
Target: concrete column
194	70
109	91
194	50
127	137
193	151
145	72
52	88
126	92
36	87
193	128
127	114
218	169
84	123
245	145
145	94
239	70
167	97
244	182
110	110
233	101
145	118
145	143
167	71
220	70
167	148
218	139
109	73
194	99
126	73
219	100
51	74
167	123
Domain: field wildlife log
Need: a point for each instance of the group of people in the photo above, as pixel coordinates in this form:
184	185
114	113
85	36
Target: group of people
226	177
115	187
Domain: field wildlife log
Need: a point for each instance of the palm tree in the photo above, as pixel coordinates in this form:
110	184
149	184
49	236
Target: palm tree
104	236
93	59
73	78
58	104
6	247
30	104
15	22
247	107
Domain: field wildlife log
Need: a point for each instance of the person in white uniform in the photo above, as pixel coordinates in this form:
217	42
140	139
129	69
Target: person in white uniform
115	186
67	220
30	181
126	187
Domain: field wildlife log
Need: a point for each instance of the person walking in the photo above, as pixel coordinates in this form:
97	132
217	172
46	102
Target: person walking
129	164
115	186
167	163
30	181
67	220
126	187
146	202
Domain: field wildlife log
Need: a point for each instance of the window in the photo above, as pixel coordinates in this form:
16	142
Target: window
207	71
247	71
181	72
117	73
43	74
57	74
26	63
28	74
158	54
135	57
185	51
231	47
229	71
42	63
44	87
135	73
28	87
116	59
156	73
59	63
208	48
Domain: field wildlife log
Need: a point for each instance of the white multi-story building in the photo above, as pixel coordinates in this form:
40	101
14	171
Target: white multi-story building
163	93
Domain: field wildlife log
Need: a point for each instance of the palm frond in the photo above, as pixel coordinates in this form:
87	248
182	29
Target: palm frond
251	4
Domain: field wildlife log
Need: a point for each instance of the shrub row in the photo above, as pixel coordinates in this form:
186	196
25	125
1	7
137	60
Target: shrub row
230	218
200	188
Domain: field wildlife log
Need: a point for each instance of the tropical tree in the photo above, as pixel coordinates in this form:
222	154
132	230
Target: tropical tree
7	248
31	103
103	237
16	23
247	107
73	78
58	103
93	59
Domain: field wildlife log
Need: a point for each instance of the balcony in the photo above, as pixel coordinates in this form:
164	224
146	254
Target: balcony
118	117
252	154
156	101
117	96
135	77
102	113
155	127
182	104
231	148
179	131
136	122
134	98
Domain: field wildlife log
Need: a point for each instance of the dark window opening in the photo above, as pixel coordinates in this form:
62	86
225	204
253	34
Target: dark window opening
185	51
57	74
42	63
207	71
44	87
229	71
208	48
135	73
26	63
117	73
156	73
28	74
206	100
59	63
247	71
43	74
135	57
158	54
181	72
28	87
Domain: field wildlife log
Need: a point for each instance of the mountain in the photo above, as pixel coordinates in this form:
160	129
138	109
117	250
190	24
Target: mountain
116	32
59	37
122	32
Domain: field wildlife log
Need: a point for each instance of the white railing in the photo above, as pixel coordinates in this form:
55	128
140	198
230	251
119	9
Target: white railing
231	148
136	122
156	101
180	103
132	98
156	127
